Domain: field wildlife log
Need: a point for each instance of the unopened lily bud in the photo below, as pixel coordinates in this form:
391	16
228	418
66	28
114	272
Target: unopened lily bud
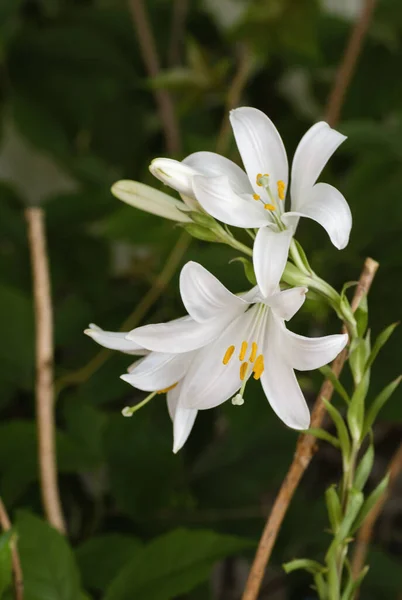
175	174
201	233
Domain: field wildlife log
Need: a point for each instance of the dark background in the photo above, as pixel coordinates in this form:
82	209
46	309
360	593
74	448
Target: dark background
77	113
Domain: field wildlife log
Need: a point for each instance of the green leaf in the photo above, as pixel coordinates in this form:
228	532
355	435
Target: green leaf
102	557
355	503
378	403
329	374
47	561
248	268
343	434
200	232
333	507
379	343
361	316
173	564
355	414
312	566
322	434
370	503
354	584
364	469
5	561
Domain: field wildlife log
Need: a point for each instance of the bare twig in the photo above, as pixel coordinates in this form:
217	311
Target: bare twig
150	57
15	558
305	450
348	64
366	531
179	13
233	96
44	369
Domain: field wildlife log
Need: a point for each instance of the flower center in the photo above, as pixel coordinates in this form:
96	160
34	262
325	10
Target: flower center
254	362
264	182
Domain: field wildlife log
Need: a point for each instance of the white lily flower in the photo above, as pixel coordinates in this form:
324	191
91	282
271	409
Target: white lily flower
233	337
157	373
150	200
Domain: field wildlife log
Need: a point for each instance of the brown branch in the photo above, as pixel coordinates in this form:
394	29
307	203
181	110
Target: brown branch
348	64
15	558
305	450
44	369
150	57
366	531
233	97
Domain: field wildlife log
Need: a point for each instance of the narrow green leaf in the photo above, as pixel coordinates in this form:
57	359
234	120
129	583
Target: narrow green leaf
370	503
378	403
248	268
334	508
355	503
5	561
355	414
361	315
364	469
379	343
312	566
320	585
354	584
329	374
322	434
343	434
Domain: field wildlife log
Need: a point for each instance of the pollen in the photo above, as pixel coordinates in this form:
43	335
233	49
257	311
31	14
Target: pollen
243	350
243	370
228	355
259	367
257	179
253	354
256	197
281	189
171	387
269	207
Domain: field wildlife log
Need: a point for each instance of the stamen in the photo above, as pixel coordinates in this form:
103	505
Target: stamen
238	400
256	196
171	387
243	370
253	354
257	179
281	189
259	367
228	355
128	411
243	350
269	207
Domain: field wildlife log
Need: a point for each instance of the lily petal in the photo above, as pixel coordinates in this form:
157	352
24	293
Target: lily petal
211	164
312	154
286	304
270	254
328	207
260	146
204	296
219	200
158	371
174	173
114	340
150	200
183	418
208	381
281	386
180	335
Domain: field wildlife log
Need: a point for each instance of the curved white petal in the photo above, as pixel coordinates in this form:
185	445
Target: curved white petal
270	254
306	354
183	418
114	340
158	371
328	207
204	296
219	200
180	335
174	173
281	386
260	146
286	304
208	381
150	200
312	154
211	164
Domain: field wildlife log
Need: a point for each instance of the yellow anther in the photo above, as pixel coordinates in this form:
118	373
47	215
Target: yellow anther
281	189
228	355
167	389
269	207
256	197
243	350
243	370
258	367
253	354
257	179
